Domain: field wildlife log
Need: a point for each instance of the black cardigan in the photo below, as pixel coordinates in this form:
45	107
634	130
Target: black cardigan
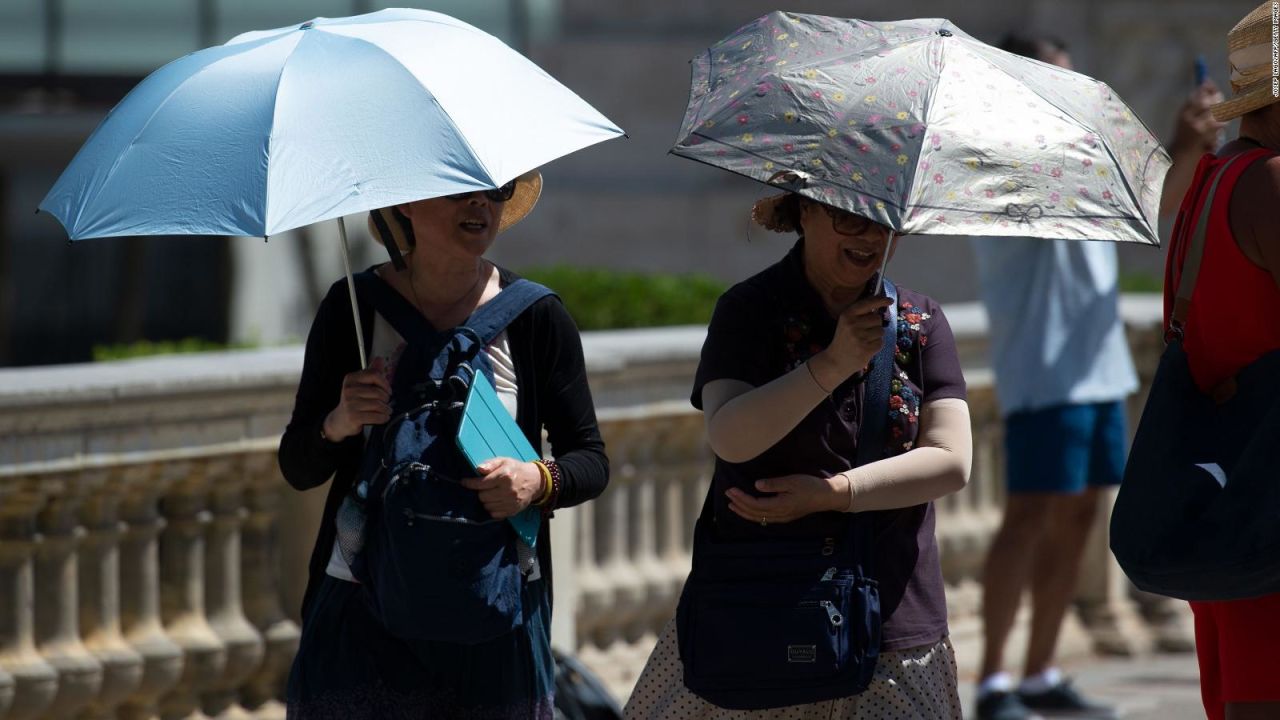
552	392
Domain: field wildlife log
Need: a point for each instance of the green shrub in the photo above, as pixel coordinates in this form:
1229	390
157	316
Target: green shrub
606	299
144	348
1141	282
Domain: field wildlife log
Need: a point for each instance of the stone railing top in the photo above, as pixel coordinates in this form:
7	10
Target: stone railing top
249	370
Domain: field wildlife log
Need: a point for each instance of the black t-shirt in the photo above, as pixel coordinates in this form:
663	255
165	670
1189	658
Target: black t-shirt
768	325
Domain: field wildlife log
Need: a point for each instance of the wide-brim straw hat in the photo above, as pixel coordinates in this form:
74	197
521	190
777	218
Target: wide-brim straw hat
768	213
386	221
1249	53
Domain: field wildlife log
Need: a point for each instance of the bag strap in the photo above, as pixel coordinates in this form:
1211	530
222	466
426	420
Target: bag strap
875	399
1195	251
490	319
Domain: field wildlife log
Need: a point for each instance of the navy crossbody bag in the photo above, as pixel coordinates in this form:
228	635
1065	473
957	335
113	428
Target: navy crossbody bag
767	624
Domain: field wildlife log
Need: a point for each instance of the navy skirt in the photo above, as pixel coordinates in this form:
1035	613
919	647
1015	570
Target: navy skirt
349	667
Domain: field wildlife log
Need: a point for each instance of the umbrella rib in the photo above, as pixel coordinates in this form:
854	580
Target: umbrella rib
1069	117
271	136
155	111
828	181
443	110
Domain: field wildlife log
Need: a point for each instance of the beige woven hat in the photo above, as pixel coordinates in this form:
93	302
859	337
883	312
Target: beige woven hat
387	224
1249	53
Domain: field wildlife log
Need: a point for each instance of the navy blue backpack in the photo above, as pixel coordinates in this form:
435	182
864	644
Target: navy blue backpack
436	565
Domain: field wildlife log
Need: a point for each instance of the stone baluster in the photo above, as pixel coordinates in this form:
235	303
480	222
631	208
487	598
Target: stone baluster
140	617
1103	596
182	596
261	561
99	568
680	459
57	608
643	514
244	646
28	684
595	596
613	530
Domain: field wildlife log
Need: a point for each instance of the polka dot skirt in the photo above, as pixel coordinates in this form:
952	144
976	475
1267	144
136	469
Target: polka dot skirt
913	683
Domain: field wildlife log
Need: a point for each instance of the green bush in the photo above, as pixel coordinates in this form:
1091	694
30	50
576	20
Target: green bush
144	348
1140	282
606	299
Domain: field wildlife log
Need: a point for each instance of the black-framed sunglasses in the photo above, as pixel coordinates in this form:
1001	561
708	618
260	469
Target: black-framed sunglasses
502	194
845	222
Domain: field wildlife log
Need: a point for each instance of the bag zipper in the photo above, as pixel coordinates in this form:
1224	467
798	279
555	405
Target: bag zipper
833	615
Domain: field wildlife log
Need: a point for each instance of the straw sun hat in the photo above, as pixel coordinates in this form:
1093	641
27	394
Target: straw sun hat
1249	52
387	223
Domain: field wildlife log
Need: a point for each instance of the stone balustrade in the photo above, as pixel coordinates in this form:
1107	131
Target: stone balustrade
152	560
125	586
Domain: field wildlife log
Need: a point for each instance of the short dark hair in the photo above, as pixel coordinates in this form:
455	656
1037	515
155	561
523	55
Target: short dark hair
1036	47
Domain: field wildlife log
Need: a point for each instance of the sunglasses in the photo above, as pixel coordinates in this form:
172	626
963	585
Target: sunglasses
502	194
845	222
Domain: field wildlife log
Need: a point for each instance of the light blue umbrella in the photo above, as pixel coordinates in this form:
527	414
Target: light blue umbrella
282	128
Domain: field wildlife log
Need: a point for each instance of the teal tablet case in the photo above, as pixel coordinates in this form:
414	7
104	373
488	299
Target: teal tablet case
486	432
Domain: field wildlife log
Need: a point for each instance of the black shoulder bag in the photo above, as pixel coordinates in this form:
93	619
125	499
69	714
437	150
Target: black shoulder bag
766	624
1198	514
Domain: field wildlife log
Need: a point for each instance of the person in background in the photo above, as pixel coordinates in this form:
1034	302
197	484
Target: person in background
1236	640
1062	371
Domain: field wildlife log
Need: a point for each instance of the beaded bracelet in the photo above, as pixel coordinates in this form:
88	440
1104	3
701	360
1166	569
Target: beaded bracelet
548	485
557	484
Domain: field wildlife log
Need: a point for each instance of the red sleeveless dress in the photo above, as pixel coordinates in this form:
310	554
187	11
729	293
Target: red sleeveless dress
1233	320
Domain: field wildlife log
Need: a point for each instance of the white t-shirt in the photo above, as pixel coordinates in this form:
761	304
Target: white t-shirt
1054	312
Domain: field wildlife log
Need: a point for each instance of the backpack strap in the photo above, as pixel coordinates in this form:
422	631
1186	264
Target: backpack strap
394	308
490	319
486	323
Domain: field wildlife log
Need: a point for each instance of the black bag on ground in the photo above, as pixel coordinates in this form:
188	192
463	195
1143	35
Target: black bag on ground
579	693
1198	514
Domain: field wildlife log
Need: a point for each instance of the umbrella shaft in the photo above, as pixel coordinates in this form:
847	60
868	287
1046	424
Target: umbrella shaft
884	264
351	288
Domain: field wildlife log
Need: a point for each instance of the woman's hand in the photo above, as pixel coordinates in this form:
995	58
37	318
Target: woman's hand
365	399
858	337
507	487
796	496
1196	131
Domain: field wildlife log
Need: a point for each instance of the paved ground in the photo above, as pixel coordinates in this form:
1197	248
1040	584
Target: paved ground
1160	687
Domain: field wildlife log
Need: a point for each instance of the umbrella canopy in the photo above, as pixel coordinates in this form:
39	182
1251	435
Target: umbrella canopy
283	128
924	129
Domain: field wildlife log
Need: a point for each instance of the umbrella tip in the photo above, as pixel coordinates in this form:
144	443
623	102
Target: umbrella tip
264	238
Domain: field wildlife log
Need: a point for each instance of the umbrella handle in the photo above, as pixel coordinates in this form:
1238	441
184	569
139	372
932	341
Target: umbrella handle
351	288
884	264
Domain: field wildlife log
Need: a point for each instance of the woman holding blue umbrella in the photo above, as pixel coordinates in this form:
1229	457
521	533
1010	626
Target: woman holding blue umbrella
350	664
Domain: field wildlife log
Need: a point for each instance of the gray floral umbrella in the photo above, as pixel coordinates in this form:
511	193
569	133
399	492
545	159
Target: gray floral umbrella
922	128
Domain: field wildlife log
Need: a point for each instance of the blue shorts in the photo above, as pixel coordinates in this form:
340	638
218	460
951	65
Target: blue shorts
1065	448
